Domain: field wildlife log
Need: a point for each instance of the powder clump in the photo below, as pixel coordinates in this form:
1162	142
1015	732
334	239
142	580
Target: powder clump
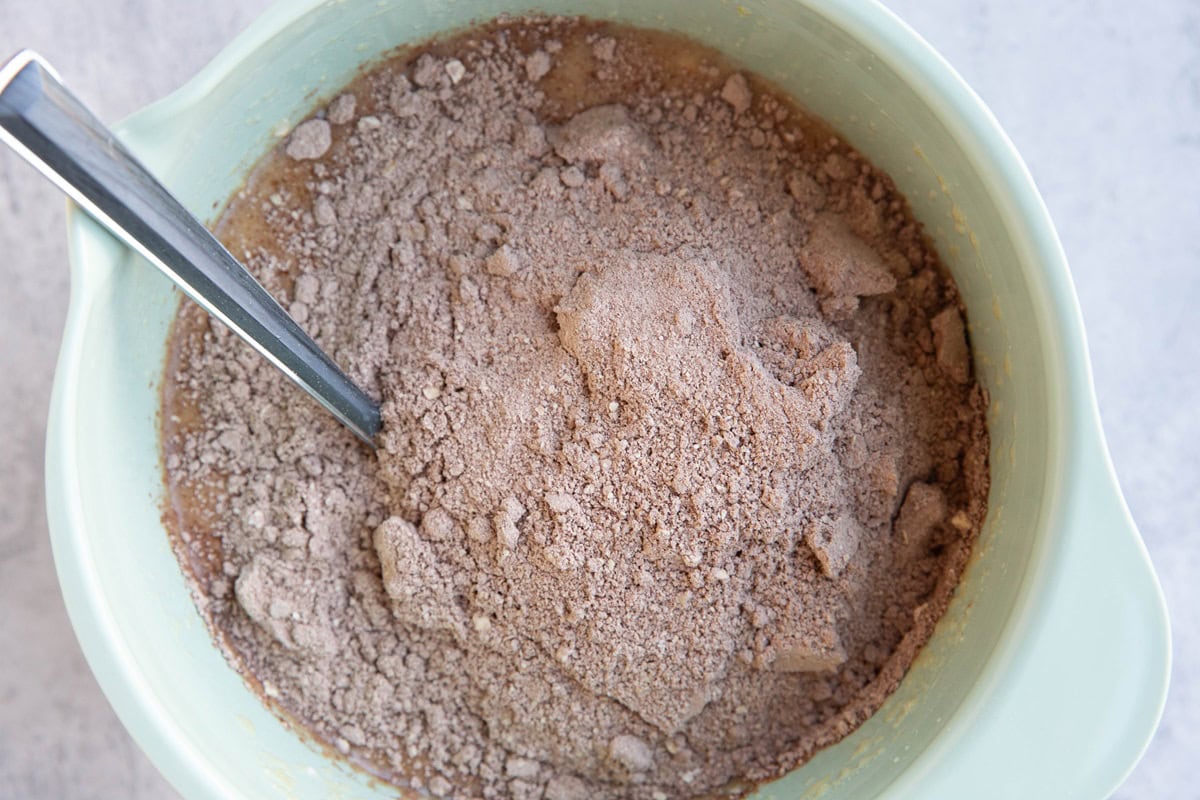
310	140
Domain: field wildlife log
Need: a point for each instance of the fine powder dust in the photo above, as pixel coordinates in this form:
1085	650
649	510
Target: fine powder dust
682	456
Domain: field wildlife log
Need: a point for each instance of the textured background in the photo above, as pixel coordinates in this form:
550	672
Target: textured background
1102	97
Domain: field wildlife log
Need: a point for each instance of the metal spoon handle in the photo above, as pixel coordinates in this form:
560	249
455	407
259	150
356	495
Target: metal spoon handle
51	129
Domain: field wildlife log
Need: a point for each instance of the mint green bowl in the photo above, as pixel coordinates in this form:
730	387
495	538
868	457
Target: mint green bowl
1047	676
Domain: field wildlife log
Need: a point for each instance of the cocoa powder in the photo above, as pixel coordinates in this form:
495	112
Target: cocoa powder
682	455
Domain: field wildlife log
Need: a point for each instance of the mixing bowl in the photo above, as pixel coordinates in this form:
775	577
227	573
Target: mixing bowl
1047	676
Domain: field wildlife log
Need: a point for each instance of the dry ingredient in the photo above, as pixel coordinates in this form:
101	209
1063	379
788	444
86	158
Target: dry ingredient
682	455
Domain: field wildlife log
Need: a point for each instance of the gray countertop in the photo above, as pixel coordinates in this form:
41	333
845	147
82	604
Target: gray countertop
1102	97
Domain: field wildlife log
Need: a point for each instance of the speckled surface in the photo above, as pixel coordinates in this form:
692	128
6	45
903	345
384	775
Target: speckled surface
1102	97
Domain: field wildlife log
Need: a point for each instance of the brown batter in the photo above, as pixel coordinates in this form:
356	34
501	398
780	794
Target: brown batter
682	455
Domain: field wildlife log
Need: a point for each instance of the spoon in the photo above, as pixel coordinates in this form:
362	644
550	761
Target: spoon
51	129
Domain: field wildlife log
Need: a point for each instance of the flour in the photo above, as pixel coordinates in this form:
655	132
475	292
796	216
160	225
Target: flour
681	458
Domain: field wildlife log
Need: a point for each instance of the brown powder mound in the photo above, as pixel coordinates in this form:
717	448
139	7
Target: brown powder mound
681	458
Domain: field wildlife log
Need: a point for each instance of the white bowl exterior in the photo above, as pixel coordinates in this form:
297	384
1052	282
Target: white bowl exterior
1054	653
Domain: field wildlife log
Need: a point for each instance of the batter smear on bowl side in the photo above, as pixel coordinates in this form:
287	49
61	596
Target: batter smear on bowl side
682	457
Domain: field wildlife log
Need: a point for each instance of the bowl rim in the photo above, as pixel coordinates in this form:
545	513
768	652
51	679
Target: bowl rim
993	154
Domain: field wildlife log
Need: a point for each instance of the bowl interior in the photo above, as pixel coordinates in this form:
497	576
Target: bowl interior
857	67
